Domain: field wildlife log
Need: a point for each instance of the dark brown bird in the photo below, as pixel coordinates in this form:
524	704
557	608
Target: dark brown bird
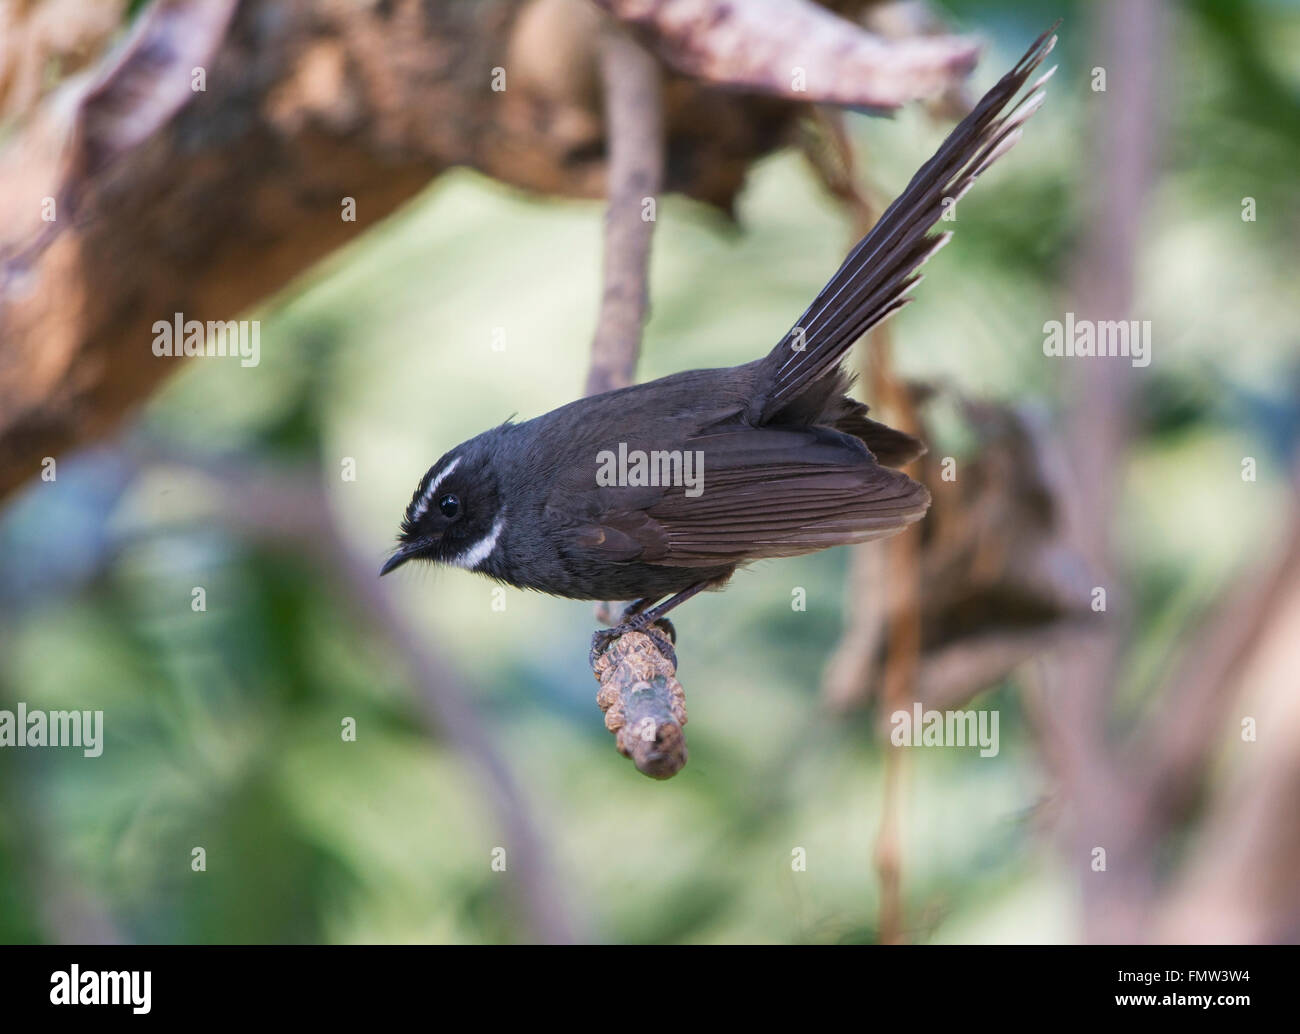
666	488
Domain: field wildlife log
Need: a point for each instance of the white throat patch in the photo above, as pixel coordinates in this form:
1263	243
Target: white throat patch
482	549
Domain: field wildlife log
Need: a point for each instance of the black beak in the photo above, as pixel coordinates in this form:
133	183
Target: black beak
398	559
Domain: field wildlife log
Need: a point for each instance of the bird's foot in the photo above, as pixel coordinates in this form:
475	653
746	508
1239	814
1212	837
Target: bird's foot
661	631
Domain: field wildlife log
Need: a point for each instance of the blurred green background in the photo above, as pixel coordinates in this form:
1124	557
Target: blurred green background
223	727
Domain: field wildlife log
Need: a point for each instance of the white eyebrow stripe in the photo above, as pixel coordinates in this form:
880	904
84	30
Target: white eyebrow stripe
422	507
481	550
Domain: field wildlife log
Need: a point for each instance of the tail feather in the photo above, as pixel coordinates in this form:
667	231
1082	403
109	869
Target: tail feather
874	281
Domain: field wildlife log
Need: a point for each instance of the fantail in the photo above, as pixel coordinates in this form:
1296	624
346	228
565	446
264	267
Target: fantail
780	460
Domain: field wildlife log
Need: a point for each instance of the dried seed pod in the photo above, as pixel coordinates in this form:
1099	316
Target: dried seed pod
644	704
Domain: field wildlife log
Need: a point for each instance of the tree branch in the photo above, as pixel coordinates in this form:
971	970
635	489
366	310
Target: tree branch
644	704
166	194
634	128
796	49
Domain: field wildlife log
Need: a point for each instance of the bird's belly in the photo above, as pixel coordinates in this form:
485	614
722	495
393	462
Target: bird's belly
629	581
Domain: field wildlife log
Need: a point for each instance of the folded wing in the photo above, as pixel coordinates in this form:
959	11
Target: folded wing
764	492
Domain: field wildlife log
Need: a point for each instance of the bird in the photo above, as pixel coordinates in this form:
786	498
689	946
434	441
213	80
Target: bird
655	492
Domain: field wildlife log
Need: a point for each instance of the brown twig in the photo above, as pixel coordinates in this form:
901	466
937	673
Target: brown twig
846	680
634	128
643	702
898	620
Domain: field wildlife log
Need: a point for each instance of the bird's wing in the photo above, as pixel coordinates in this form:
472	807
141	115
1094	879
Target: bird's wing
764	492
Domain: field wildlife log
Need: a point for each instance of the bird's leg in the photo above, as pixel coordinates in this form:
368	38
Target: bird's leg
601	639
638	619
605	610
635	607
645	618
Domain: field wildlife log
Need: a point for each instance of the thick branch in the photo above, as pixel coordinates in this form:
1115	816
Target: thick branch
204	197
796	49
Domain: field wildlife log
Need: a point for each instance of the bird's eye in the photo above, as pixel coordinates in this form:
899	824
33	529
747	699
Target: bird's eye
449	505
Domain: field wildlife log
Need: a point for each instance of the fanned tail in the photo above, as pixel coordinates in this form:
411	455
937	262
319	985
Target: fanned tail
875	279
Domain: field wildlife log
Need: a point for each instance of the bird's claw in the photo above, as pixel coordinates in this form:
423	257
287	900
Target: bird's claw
662	632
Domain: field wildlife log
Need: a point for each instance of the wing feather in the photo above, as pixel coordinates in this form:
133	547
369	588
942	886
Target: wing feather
766	492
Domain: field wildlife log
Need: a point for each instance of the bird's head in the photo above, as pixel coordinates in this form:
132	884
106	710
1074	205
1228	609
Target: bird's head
457	514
